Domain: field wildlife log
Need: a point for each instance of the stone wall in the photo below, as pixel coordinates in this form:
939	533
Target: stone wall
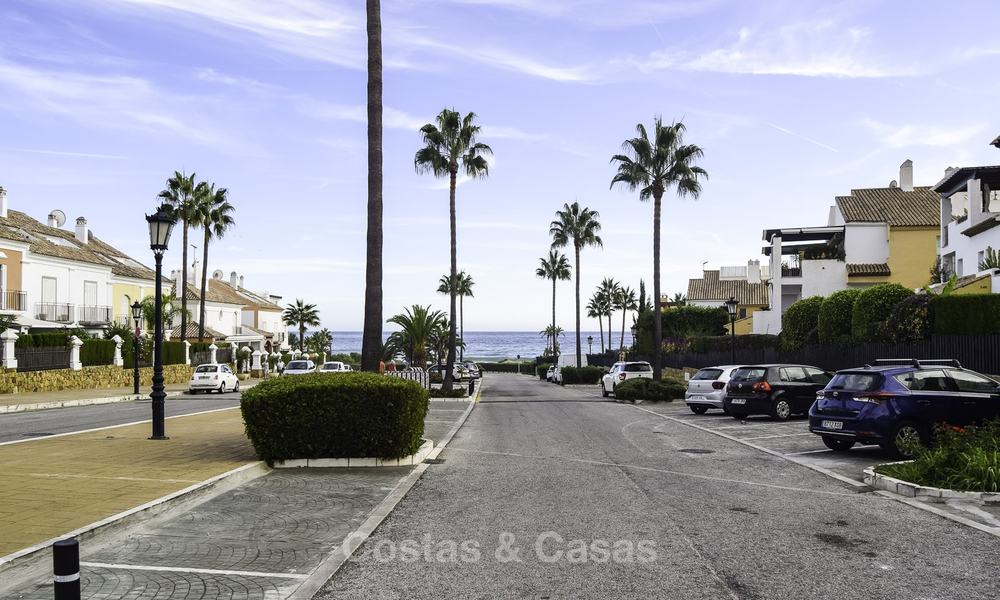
89	378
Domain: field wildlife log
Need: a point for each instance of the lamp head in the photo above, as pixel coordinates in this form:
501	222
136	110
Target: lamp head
161	223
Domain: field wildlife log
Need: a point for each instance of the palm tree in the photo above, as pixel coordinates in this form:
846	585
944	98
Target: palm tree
551	333
214	213
595	310
171	308
320	341
420	327
580	225
301	314
371	338
679	299
180	194
625	300
465	285
554	267
652	166
607	292
448	147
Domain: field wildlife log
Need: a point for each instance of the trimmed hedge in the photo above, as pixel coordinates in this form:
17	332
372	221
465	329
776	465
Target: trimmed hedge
525	368
541	371
835	317
799	323
910	320
95	353
872	309
173	353
42	340
642	388
722	343
680	322
970	314
456	392
590	375
342	415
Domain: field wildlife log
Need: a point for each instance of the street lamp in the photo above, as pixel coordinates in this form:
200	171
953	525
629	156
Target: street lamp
136	315
590	344
160	224
731	305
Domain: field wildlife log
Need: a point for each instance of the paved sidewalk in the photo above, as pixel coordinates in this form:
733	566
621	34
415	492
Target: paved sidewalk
44	400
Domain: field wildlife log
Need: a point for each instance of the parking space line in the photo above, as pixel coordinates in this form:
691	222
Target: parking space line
192	570
809	452
780	435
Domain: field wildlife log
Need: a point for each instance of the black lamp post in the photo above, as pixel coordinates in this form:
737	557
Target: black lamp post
160	225
731	305
136	316
590	344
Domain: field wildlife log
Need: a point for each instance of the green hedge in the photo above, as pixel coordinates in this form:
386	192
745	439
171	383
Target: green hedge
799	323
910	320
42	340
968	314
720	343
872	308
145	352
582	375
342	415
96	352
542	370
642	388
456	392
173	353
835	317
525	368
680	322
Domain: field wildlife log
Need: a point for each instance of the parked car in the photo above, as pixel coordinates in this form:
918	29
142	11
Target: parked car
299	367
557	376
707	389
897	402
335	366
473	368
436	373
213	377
777	390
622	371
550	373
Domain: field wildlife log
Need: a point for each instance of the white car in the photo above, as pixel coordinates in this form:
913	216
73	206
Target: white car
621	371
299	367
550	373
557	375
335	366
707	388
213	377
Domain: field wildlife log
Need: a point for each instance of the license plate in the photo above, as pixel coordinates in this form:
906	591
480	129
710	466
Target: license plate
205	377
696	399
833	424
739	401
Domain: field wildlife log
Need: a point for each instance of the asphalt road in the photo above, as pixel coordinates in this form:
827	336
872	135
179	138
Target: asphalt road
532	472
42	423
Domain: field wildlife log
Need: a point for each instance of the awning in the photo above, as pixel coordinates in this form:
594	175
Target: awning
33	323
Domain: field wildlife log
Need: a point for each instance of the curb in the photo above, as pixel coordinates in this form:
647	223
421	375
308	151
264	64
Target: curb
343	463
29	563
930	494
17	408
336	559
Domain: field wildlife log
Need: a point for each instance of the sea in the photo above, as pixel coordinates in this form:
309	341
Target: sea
498	345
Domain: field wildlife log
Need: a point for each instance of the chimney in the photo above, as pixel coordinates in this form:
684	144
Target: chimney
3	203
195	273
233	280
241	282
178	277
753	271
82	232
52	221
906	176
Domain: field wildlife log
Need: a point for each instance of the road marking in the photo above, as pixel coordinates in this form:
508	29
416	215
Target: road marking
71	476
780	435
809	452
192	570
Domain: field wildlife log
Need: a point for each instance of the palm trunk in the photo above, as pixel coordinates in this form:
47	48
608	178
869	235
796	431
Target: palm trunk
371	339
610	343
657	313
461	323
449	375
553	333
204	283
184	282
600	324
621	345
302	337
579	358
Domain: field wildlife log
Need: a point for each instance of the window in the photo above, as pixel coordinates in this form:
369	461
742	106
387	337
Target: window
855	382
48	290
638	367
933	380
991	199
817	376
749	374
707	375
959	205
972	382
794	375
960	268
90	293
206	369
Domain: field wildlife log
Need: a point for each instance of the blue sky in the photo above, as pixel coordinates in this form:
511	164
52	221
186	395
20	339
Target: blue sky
794	102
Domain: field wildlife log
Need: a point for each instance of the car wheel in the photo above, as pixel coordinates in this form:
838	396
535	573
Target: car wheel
222	387
903	437
604	391
698	409
236	387
838	445
781	409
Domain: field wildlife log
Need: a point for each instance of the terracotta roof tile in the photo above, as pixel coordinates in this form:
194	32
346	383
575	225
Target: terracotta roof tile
868	270
919	208
710	287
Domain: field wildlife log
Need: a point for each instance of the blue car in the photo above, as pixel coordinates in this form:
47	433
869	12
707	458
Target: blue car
895	403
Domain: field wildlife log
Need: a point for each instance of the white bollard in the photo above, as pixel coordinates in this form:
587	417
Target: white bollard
213	349
74	353
187	353
118	361
9	359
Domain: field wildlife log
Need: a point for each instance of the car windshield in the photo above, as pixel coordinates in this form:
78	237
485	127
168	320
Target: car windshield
707	375
298	365
749	374
638	367
331	367
855	382
207	369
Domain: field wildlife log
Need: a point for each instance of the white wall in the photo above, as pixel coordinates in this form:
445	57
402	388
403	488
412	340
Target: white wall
823	277
224	318
69	277
866	243
966	248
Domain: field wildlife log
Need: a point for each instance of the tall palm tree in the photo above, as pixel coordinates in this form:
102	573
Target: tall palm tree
555	267
301	314
551	333
450	146
180	194
578	226
215	215
371	338
171	308
679	299
465	285
652	166
420	327
608	291
625	300
595	310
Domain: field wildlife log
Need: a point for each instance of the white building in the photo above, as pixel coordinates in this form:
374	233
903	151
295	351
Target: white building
970	214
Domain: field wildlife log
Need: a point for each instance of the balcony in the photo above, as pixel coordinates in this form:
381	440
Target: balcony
93	315
55	312
13	300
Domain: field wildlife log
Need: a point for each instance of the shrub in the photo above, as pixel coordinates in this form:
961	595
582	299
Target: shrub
340	415
42	340
524	368
173	353
799	323
642	388
966	314
200	346
910	320
456	392
582	374
680	322
96	352
722	343
835	314
966	460
542	370
872	308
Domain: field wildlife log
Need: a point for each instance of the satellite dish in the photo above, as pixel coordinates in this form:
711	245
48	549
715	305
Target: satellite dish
58	216
217	274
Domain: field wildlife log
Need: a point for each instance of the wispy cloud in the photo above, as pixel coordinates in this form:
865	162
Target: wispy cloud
601	14
802	137
71	154
902	136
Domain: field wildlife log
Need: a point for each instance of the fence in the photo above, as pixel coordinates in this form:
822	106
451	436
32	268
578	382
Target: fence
421	377
41	359
977	352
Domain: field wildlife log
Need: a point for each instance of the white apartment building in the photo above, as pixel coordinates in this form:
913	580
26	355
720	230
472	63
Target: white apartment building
970	214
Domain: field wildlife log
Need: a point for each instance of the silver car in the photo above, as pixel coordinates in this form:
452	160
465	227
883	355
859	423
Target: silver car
707	388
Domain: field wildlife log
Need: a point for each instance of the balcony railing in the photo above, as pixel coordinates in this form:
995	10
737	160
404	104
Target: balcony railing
94	315
58	313
13	300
